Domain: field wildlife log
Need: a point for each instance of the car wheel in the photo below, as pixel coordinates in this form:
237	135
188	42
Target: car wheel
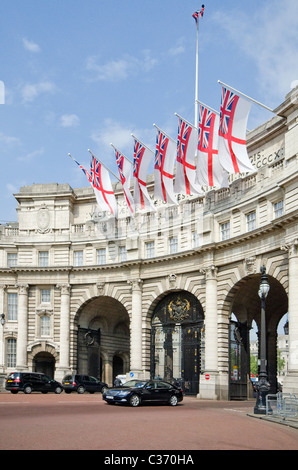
28	389
81	389
134	400
14	391
58	390
173	400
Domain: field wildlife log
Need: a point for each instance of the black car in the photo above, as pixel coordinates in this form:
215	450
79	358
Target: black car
135	392
28	382
82	383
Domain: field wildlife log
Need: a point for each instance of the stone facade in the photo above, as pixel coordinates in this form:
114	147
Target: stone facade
83	292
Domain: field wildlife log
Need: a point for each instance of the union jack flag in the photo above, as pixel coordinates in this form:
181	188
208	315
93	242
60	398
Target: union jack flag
187	142
206	125
229	102
232	132
120	164
124	168
162	142
141	161
165	152
184	133
88	175
209	171
139	151
102	184
198	14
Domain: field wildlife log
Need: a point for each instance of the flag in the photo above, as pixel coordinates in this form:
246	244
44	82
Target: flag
185	181
232	133
102	186
124	168
198	14
209	170
141	161
88	175
165	154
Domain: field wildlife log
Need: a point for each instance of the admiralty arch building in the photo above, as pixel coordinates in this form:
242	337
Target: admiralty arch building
170	294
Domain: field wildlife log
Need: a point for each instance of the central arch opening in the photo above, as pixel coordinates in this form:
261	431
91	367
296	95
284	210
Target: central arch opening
176	329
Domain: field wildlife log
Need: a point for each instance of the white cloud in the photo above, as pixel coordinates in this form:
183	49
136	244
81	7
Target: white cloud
179	48
113	132
31	91
119	69
30	45
268	36
8	140
31	155
69	120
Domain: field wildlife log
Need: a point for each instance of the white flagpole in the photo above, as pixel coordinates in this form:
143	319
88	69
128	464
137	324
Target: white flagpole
117	150
104	166
197	77
208	107
142	143
245	96
185	120
171	138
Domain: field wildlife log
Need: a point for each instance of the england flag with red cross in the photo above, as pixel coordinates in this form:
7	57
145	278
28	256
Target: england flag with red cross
232	150
185	181
165	154
209	170
102	186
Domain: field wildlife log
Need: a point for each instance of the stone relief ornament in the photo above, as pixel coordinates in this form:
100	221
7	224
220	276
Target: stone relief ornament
43	220
179	309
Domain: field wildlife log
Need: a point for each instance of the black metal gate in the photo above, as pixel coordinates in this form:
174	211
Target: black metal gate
175	340
89	352
239	361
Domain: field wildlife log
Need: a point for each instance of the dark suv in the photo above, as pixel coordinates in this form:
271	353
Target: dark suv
28	382
83	383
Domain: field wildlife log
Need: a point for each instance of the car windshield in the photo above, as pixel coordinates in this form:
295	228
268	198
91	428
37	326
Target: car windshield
134	383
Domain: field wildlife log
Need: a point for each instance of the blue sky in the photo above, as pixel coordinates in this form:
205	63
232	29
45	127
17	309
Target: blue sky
83	74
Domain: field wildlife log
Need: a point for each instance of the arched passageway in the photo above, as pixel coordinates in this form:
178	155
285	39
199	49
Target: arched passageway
246	307
176	346
103	331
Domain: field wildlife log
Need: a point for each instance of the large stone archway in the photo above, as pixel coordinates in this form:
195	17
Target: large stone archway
245	304
176	348
103	332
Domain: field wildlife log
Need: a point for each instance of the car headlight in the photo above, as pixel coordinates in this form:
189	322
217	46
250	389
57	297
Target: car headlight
123	393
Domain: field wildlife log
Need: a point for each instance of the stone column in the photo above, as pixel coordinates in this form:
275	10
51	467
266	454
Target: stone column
209	378
290	384
63	367
22	340
136	328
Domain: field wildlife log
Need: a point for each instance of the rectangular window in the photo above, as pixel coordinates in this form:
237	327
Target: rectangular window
225	231
101	256
78	258
45	326
12	306
12	260
45	295
278	209
43	258
149	247
122	253
251	220
11	353
173	245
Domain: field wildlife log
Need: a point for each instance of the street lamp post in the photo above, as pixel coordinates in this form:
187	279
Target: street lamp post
2	321
263	384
